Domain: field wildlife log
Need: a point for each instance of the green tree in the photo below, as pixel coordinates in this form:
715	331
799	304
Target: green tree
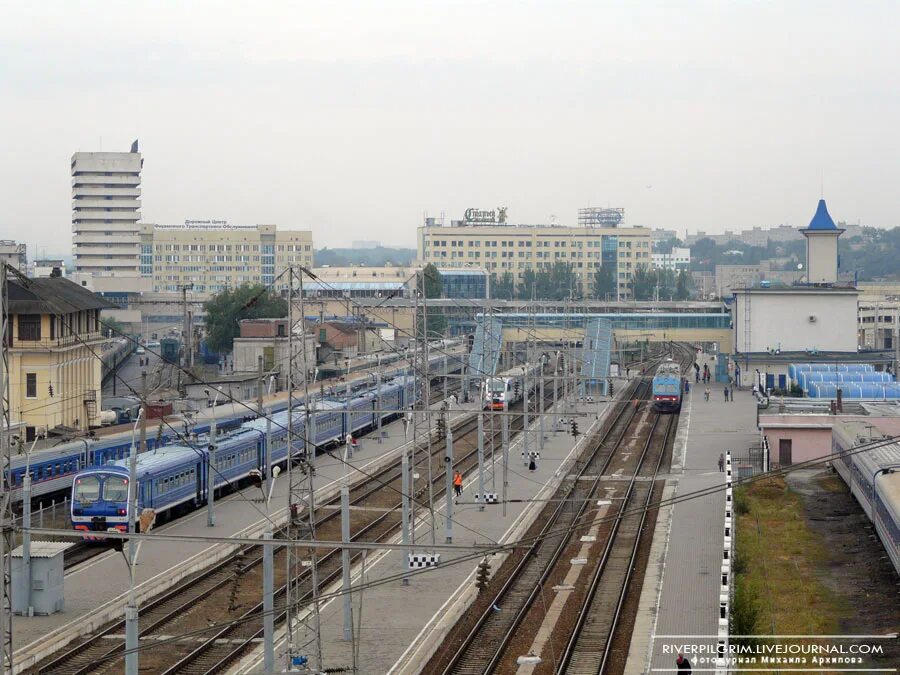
683	288
641	284
435	323
528	285
604	283
225	309
112	327
504	286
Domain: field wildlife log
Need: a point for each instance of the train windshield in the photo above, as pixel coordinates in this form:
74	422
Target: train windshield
87	489
115	489
496	385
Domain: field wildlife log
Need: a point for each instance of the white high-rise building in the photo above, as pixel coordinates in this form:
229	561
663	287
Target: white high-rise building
106	208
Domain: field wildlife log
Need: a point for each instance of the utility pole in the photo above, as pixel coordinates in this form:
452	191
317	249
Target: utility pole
448	462
404	501
261	411
504	421
131	609
211	471
427	403
301	492
188	328
416	402
345	552
541	411
481	461
7	536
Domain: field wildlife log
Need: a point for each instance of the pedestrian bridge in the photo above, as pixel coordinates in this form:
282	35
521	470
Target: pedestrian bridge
517	330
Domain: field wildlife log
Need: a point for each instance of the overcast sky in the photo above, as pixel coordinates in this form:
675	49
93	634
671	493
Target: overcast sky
355	118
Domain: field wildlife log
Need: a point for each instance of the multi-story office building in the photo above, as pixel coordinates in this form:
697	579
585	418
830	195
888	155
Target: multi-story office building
213	255
676	260
13	253
106	209
502	247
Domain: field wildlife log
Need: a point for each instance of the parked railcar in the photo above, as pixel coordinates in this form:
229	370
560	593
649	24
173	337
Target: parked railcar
175	478
873	477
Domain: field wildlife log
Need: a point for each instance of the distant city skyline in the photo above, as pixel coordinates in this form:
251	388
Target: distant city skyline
353	121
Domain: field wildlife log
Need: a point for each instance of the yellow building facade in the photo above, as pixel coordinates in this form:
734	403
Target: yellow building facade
54	345
213	255
501	248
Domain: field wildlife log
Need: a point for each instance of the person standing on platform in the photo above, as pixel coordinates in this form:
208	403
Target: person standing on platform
706	394
349	440
721	462
457	483
683	664
532	465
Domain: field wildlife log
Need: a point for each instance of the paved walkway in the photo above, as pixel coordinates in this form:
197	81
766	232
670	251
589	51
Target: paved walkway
403	625
95	591
680	596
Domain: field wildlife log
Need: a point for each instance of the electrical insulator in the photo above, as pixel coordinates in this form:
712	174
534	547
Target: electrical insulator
483	575
574	428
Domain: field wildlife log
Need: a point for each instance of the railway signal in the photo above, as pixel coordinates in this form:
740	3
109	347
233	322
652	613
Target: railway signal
483	575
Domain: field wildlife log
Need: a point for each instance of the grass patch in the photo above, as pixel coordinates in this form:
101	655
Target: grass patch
777	589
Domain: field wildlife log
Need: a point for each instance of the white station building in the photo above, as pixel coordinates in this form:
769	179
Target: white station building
813	321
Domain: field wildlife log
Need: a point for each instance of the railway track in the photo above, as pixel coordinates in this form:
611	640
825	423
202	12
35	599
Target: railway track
590	644
623	460
484	646
177	612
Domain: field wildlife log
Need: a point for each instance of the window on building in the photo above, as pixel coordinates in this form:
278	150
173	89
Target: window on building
29	326
30	385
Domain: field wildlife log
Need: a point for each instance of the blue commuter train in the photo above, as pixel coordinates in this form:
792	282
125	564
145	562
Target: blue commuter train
667	387
52	469
175	478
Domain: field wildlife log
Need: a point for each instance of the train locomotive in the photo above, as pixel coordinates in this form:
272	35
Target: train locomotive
667	387
873	477
501	391
176	478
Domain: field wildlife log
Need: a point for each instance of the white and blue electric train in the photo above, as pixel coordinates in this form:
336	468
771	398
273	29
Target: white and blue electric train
52	469
175	478
873	477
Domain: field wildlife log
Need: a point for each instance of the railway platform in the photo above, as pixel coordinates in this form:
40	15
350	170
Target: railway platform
679	602
403	625
96	590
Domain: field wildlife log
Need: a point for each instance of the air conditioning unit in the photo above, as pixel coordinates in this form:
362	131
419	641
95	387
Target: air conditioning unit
812	318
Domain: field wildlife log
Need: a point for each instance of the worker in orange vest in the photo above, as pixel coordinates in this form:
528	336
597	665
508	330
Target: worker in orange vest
457	483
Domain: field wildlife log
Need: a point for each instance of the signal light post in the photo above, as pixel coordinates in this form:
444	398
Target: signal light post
483	575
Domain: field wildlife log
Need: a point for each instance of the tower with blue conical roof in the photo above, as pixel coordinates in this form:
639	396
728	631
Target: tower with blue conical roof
822	247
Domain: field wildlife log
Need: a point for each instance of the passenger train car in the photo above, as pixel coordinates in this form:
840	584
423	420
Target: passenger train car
501	391
52	468
175	478
873	477
667	387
